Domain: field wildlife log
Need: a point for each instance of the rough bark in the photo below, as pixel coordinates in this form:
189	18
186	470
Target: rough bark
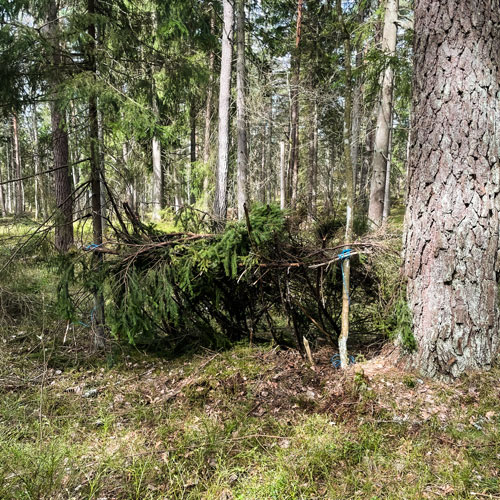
381	148
241	126
452	218
220	201
294	112
64	198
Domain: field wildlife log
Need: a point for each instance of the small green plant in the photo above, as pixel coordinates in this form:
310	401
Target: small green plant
409	381
404	326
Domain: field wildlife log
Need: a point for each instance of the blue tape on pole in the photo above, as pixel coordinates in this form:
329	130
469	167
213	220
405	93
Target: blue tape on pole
335	360
93	246
345	254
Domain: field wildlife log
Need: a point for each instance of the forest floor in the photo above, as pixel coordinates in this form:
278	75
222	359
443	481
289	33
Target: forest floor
246	423
249	423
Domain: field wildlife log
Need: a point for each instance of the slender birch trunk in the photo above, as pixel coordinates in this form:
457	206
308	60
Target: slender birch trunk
381	148
220	201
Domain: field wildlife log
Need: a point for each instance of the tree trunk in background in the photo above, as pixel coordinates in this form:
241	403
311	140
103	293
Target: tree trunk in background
357	99
241	125
261	184
384	125
74	158
452	219
282	176
294	119
220	201
192	149
269	178
177	190
208	118
10	203
102	170
17	167
36	157
366	163
63	192
157	186
387	189
313	163
349	180
357	110
130	185
95	181
3	205
156	158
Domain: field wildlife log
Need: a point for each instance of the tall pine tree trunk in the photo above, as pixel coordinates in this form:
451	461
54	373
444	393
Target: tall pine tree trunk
384	125
220	201
241	125
63	192
452	218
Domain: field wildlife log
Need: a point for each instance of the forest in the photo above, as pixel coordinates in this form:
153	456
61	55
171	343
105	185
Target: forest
249	249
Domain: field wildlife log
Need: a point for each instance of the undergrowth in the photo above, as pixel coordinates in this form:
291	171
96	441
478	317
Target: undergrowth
246	422
260	277
224	425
